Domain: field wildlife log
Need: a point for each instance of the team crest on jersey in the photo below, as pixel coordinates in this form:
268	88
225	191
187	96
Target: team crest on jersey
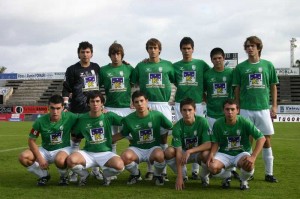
97	135
56	138
191	142
224	79
193	67
61	128
121	73
145	136
256	80
101	123
160	69
260	69
219	90
238	132
195	133
150	124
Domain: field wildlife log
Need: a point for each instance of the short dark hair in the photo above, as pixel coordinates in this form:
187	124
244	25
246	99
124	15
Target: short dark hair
188	101
56	99
137	94
186	41
153	42
216	51
116	48
93	95
254	40
84	45
231	102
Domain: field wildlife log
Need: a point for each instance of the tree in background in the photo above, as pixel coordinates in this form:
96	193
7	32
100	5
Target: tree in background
2	69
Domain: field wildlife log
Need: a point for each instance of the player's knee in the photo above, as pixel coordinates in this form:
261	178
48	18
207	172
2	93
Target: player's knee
170	153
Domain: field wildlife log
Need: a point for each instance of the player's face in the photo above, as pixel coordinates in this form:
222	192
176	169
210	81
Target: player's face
140	104
95	105
153	51
187	51
85	55
55	111
251	49
230	111
116	59
217	60
188	113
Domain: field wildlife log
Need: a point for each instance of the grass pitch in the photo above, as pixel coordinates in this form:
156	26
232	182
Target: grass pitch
16	182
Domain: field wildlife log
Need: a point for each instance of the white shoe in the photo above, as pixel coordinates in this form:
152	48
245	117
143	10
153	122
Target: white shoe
73	177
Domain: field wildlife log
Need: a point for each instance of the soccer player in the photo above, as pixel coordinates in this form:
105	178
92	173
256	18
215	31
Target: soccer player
232	147
254	80
189	74
80	79
55	131
143	126
116	78
218	88
95	128
154	78
191	143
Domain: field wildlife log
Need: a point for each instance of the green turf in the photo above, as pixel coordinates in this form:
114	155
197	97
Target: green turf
16	182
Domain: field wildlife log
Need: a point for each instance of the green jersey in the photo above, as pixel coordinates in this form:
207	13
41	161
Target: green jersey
190	136
155	79
145	131
97	131
55	135
255	81
189	79
116	82
218	88
234	139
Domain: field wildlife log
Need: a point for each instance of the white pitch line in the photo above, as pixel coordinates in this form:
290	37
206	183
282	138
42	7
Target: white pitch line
290	139
13	149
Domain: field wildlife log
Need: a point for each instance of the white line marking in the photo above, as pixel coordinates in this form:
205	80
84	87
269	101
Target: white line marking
13	149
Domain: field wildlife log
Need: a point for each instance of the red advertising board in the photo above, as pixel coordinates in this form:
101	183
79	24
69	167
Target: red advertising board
31	109
12	117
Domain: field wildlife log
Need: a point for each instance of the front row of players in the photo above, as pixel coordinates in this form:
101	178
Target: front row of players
217	150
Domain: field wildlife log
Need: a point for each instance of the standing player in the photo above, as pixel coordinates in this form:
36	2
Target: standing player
154	78
80	79
95	127
55	130
231	146
189	74
191	143
116	78
255	79
218	88
143	126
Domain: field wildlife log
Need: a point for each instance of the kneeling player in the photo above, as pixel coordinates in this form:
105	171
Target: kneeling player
143	126
232	147
54	128
95	127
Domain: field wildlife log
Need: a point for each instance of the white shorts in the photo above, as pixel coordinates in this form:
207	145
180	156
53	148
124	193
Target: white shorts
50	155
121	112
199	110
193	157
165	109
211	122
228	160
261	119
96	159
143	154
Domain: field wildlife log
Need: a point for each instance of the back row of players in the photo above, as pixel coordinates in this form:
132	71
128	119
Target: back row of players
196	82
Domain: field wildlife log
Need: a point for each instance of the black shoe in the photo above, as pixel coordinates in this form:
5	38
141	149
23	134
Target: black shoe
165	177
226	183
195	175
159	180
244	186
64	181
43	180
270	178
235	175
133	179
